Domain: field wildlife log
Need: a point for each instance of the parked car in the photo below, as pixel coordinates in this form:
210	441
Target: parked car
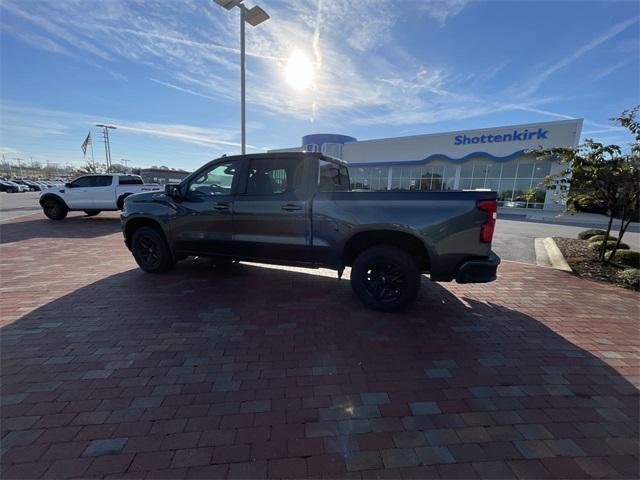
34	185
92	194
18	186
9	187
297	209
27	184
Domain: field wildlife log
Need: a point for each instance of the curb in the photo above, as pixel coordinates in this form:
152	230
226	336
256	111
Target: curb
554	256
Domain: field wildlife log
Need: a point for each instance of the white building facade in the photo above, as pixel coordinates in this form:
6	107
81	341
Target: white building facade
489	158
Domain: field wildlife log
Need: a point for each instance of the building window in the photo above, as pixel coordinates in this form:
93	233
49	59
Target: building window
332	150
518	183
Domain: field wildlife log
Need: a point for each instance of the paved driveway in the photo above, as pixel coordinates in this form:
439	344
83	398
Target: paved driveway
514	238
259	371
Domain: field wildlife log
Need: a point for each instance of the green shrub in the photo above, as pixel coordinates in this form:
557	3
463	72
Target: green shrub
599	238
630	276
587	234
610	245
630	258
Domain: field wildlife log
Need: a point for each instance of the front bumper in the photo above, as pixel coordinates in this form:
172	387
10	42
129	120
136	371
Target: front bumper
478	271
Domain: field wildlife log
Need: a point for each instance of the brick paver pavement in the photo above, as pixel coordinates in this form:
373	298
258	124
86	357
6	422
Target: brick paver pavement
262	372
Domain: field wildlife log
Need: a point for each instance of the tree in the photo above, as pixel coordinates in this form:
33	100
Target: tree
118	168
91	166
601	174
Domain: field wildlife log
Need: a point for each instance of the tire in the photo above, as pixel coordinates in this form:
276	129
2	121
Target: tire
54	209
92	213
150	250
385	278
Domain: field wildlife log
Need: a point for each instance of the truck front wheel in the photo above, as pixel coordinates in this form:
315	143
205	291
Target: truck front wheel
385	278
54	209
151	251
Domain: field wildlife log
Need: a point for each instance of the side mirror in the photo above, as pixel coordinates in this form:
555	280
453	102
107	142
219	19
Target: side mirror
173	191
68	185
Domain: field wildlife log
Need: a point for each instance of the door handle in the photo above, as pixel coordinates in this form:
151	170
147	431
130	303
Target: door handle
221	206
289	207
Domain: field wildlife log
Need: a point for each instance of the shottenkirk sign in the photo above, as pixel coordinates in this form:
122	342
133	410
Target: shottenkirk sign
515	136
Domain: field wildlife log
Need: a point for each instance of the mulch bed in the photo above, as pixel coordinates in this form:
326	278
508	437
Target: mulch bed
583	260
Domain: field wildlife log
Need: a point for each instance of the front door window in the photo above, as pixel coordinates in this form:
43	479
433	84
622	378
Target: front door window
215	181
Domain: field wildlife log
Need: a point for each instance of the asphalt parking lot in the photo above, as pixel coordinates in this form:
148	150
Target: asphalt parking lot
264	371
13	205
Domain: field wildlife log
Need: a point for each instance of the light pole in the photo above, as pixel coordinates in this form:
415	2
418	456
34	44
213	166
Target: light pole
253	16
107	146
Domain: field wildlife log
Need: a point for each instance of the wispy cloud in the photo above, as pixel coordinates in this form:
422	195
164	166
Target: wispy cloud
442	10
182	89
40	122
9	151
541	77
608	70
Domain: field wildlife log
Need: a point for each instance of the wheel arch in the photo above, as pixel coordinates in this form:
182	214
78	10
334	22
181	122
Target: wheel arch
408	242
135	223
121	199
53	196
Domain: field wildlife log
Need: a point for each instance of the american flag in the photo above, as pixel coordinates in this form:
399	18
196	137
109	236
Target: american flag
87	141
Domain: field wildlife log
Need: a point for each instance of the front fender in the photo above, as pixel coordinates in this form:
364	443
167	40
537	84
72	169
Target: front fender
145	209
50	195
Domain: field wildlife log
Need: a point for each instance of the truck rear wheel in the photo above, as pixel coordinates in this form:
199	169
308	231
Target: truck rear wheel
151	251
385	278
91	213
54	209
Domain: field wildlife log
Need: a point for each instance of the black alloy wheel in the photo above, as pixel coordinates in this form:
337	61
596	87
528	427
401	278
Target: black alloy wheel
385	278
385	281
150	250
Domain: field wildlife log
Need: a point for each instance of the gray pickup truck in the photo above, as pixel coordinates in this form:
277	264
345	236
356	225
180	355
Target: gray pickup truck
298	209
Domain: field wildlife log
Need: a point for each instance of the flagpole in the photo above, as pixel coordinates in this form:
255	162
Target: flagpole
93	160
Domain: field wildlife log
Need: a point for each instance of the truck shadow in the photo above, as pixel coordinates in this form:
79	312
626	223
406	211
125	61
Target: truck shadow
76	225
258	329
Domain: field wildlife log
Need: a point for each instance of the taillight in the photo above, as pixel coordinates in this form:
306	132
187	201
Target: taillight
490	207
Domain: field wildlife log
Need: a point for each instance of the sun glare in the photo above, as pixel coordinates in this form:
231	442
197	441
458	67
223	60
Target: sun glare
299	71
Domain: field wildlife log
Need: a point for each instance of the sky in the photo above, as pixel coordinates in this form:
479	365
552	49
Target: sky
166	72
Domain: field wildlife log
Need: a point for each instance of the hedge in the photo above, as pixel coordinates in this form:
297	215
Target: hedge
630	258
630	276
610	245
600	238
587	234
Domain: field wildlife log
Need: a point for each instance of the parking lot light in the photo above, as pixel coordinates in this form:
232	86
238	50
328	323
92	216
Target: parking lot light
253	16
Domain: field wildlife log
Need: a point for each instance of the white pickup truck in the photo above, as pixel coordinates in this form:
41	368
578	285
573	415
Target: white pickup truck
92	194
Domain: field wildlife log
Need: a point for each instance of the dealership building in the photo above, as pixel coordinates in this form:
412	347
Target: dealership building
489	158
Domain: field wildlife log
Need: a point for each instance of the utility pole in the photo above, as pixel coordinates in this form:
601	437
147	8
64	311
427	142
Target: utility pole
107	146
19	165
126	163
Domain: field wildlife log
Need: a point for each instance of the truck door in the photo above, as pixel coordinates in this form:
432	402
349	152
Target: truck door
205	223
103	192
271	211
77	195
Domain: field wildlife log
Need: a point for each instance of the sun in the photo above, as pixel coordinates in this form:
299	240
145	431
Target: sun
299	71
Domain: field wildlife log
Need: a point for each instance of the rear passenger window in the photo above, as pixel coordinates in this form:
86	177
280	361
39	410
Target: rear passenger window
274	176
333	177
101	181
129	180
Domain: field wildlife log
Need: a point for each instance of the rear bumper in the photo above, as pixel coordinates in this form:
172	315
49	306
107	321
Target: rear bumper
478	271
